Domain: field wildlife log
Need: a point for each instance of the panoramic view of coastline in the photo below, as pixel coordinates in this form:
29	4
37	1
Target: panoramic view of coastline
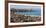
23	13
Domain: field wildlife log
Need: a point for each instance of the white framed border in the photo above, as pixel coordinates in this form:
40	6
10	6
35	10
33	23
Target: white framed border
41	22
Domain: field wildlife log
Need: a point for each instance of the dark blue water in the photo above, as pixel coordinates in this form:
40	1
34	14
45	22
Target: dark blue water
35	12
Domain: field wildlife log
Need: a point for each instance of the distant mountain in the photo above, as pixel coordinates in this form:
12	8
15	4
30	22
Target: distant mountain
20	10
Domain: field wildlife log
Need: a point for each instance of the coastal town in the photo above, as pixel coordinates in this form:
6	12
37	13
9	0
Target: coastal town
22	18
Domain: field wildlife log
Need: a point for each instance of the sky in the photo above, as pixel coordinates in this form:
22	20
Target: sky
24	6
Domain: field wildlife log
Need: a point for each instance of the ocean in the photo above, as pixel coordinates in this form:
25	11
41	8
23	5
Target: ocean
34	12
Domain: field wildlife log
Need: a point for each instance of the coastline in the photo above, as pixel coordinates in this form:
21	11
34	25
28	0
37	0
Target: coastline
23	18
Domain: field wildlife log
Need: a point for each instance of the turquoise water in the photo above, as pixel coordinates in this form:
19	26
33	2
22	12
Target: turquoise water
35	12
